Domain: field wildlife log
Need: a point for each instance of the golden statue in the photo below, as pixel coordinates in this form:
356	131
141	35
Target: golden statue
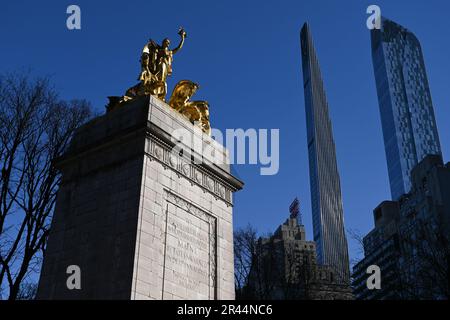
196	111
156	66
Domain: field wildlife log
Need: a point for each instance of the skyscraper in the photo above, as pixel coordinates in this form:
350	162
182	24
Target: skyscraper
408	241
407	116
326	199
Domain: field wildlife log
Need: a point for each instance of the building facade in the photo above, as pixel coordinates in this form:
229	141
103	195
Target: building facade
381	248
287	268
326	198
406	108
410	241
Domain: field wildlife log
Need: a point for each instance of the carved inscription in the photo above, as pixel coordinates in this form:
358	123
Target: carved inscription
187	253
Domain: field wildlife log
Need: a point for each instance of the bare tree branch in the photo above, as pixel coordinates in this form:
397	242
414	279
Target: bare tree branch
36	128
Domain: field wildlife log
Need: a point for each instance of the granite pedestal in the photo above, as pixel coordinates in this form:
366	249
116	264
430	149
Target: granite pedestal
139	221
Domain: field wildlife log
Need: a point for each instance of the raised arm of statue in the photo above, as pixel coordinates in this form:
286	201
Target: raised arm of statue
182	34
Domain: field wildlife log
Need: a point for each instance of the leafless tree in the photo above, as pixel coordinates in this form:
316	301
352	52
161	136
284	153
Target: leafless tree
426	250
27	291
35	129
245	242
266	269
253	265
356	236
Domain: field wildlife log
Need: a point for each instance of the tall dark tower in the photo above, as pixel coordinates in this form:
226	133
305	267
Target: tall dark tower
407	115
326	199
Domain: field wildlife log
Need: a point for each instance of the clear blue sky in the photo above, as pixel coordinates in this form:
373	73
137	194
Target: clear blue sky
246	57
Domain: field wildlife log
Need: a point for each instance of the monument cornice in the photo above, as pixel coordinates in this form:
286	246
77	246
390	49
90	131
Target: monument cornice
202	176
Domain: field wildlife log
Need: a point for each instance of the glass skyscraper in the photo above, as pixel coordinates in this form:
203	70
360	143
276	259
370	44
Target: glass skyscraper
326	199
407	116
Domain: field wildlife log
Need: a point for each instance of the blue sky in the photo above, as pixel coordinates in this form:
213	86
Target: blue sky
246	57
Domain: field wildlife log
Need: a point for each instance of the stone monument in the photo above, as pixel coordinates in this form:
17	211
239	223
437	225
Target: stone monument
139	220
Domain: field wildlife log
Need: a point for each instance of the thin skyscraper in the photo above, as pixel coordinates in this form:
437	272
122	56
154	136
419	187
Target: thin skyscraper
407	116
326	198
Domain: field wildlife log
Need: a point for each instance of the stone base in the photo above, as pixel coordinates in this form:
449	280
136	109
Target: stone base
140	222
